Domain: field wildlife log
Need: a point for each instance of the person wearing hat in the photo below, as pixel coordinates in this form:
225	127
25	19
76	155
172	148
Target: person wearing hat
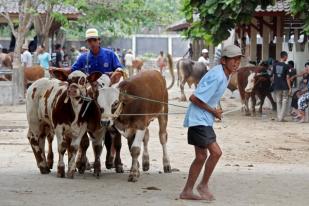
26	57
204	58
98	59
199	119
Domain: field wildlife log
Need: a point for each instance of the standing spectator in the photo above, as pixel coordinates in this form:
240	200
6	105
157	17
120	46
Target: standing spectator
161	63
62	51
74	54
204	58
26	57
129	62
83	50
66	61
44	59
123	61
57	57
281	85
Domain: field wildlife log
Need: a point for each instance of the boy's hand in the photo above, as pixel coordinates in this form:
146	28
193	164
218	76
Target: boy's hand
218	113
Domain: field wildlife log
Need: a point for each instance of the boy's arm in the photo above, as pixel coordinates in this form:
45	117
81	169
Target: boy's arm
215	112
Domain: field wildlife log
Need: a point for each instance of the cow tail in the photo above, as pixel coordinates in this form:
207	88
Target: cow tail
171	69
177	66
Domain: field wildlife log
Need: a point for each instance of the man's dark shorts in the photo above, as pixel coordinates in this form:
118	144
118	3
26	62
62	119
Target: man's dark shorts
201	136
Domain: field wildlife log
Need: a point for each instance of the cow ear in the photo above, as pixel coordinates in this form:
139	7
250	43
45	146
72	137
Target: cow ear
94	76
62	76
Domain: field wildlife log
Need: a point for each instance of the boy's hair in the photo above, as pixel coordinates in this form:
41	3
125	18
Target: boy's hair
58	46
307	64
291	63
283	54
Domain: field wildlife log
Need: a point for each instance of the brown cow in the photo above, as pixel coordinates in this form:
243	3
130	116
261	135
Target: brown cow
261	87
33	73
136	115
137	64
55	107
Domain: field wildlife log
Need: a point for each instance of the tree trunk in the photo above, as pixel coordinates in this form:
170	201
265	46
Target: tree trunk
18	73
198	45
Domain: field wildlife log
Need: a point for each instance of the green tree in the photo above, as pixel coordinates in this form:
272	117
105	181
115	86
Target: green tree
218	17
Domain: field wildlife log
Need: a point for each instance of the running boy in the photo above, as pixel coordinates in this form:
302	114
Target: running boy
199	120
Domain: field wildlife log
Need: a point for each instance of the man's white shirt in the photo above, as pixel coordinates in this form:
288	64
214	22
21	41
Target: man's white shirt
129	59
26	58
205	61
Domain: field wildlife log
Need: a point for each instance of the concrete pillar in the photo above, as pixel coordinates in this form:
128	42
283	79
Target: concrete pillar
265	46
279	37
296	38
170	46
253	41
134	45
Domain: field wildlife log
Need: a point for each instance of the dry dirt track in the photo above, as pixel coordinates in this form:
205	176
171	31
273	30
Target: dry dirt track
263	163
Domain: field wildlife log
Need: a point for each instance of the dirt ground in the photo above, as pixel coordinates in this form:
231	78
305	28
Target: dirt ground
264	163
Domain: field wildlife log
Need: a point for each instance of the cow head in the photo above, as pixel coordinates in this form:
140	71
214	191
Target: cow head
108	100
250	84
77	82
258	81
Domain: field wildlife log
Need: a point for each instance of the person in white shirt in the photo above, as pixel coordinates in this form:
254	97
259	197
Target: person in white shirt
26	57
204	58
129	62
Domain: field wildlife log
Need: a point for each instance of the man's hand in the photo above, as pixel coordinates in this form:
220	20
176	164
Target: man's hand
115	77
218	113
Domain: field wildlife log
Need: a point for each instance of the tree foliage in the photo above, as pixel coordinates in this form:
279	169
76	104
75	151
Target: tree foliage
217	17
301	7
121	17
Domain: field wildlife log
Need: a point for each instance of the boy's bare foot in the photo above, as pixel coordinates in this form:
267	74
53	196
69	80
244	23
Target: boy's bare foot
205	193
189	196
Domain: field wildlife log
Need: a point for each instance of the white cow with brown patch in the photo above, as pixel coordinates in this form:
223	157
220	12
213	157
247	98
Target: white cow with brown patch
58	107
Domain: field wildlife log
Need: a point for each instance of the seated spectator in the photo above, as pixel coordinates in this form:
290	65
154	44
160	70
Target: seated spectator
302	106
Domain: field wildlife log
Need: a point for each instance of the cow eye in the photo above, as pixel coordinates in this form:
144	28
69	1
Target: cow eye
115	104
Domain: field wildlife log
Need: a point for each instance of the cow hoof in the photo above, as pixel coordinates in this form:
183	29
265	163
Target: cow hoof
247	114
71	174
132	178
81	166
145	166
119	169
60	172
109	165
44	170
167	169
50	165
97	174
88	166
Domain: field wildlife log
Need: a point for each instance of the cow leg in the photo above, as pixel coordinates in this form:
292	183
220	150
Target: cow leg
36	144
182	88
253	103
82	162
109	160
50	155
97	145
262	98
145	153
246	102
72	148
271	99
135	151
117	144
163	140
62	146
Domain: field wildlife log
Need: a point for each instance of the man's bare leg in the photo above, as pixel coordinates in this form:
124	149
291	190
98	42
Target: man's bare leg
195	169
215	154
